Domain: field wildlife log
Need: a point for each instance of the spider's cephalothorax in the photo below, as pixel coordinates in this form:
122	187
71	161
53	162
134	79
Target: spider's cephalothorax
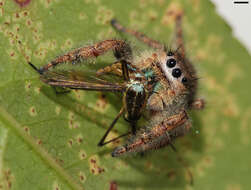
160	84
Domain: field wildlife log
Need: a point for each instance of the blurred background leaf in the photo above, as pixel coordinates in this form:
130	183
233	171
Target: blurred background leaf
49	141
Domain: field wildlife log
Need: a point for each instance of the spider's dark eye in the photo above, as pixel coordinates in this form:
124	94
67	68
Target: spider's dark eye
176	73
170	53
184	80
171	63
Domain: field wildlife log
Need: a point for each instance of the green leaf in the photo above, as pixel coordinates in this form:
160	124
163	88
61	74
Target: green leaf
49	141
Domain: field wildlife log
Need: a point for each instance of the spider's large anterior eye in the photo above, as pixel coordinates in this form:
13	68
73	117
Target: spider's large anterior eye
171	63
176	73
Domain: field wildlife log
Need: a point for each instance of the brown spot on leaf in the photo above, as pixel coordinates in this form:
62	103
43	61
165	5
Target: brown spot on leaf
12	54
28	22
93	161
8	179
70	124
39	141
27	85
17	15
70	143
101	170
27	130
25	13
82	177
95	167
55	186
33	111
82	155
79	139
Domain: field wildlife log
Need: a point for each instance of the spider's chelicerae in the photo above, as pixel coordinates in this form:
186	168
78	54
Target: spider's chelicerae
162	85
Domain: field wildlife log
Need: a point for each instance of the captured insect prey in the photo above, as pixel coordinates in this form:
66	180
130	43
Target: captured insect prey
159	84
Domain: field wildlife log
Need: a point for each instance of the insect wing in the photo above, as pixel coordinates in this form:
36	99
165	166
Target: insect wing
82	80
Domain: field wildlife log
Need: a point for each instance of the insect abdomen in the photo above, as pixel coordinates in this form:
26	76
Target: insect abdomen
135	98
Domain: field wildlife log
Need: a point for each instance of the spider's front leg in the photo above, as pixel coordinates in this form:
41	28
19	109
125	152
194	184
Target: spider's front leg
91	51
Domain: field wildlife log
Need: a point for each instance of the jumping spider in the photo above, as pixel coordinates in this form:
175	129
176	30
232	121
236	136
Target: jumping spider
162	84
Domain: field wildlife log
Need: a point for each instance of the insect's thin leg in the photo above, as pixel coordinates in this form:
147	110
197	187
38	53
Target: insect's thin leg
179	35
35	68
102	141
140	36
116	138
91	51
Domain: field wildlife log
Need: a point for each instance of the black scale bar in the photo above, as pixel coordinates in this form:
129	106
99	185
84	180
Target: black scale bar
241	2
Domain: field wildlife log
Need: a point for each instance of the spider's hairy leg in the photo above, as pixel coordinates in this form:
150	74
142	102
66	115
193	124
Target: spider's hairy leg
154	137
140	36
179	35
114	139
91	51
